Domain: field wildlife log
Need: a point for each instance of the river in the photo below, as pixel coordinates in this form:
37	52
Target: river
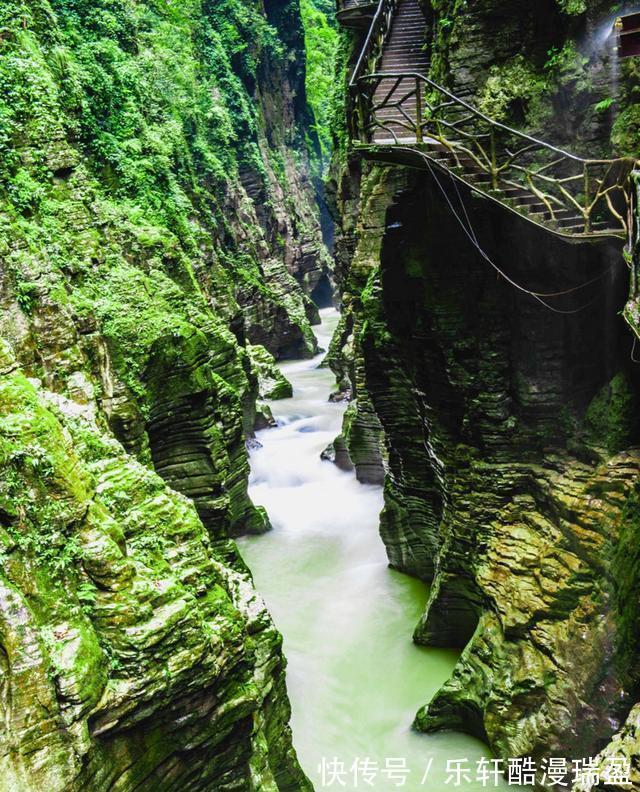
354	676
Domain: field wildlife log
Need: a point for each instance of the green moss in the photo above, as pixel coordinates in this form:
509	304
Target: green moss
626	574
573	7
511	87
626	131
116	581
122	126
610	420
272	384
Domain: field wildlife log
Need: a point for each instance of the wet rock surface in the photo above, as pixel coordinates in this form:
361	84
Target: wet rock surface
507	432
508	483
135	649
156	219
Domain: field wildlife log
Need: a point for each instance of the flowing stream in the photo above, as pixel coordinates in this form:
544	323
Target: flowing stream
355	678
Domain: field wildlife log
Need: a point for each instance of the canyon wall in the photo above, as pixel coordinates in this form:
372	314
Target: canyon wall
157	224
505	427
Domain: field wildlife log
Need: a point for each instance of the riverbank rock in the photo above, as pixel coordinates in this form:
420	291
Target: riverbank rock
511	464
338	453
617	767
272	384
264	417
123	623
506	431
156	217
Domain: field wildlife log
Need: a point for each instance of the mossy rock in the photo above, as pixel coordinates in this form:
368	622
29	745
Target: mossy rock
626	131
272	384
611	419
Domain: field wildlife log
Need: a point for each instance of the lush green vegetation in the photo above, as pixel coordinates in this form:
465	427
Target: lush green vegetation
321	41
157	94
154	213
124	128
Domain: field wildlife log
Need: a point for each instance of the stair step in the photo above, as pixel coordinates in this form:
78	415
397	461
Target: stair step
389	118
408	56
418	36
513	193
571	222
408	47
579	227
405	46
409	59
418	55
559	213
403	68
526	200
404	52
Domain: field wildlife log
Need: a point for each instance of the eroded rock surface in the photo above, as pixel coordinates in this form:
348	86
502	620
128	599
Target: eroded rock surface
156	217
135	651
508	436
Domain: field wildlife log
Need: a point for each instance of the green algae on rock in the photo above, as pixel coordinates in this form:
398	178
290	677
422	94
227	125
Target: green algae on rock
272	384
132	650
481	492
157	216
507	434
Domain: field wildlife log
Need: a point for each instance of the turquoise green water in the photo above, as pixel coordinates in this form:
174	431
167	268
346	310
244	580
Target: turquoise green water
354	676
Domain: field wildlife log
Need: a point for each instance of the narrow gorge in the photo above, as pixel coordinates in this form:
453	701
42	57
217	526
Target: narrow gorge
319	395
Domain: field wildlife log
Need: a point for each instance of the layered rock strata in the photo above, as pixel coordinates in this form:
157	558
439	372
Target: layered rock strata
156	219
506	432
135	651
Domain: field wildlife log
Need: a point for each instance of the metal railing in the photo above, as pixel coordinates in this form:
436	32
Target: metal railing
373	46
410	110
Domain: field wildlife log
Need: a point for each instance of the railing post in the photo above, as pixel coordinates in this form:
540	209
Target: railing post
418	110
494	161
635	230
587	200
633	210
356	114
362	119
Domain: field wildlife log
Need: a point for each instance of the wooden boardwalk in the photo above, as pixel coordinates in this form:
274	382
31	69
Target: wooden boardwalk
399	115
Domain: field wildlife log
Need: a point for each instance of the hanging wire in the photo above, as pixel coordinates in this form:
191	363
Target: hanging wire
536	294
470	233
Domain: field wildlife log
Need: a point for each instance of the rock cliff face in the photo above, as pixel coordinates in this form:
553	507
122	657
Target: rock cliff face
156	221
507	431
135	651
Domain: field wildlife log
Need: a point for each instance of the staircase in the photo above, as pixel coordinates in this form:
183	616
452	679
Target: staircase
404	51
398	115
405	48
